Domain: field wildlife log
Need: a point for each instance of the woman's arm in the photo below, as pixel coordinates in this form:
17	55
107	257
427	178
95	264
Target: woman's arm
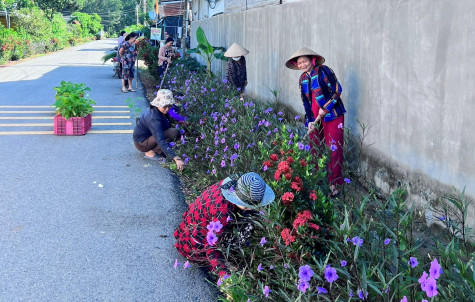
161	54
306	105
333	85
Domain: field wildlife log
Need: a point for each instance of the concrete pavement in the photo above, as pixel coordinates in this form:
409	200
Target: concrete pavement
85	218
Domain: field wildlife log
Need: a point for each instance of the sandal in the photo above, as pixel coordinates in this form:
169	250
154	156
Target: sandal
124	90
131	90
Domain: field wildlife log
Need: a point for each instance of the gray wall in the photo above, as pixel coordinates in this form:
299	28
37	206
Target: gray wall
407	69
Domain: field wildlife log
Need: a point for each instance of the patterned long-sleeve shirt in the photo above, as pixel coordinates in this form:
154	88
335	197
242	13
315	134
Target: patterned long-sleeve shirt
321	89
191	233
236	73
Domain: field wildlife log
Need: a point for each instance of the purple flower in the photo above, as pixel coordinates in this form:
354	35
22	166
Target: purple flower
246	104
305	273
172	144
286	265
236	146
225	149
223	140
301	146
340	125
176	264
297	117
321	290
423	280
361	295
350	294
220	281
251	104
347	180
387	241
214	226
228	219
275	130
431	287
424	300
343	263
186	265
302	286
307	147
266	291
357	241
214	171
271	267
264	168
223	164
263	241
233	157
442	218
211	238
259	267
225	81
404	299
330	274
333	147
413	262
435	269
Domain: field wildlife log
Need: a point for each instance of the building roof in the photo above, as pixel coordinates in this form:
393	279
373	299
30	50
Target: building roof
170	8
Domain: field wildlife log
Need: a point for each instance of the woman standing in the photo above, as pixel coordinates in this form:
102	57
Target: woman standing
324	111
165	55
236	73
153	131
128	56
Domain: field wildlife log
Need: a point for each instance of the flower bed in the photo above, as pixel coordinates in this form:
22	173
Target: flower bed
306	246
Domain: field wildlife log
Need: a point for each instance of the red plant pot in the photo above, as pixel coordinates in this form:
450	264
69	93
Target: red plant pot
73	126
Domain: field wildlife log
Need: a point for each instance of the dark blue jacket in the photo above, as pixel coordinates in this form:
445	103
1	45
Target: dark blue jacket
153	122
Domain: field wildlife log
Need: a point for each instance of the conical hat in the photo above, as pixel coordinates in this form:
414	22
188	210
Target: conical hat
292	62
236	50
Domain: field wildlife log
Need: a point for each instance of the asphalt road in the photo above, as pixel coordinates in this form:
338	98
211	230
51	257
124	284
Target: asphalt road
84	218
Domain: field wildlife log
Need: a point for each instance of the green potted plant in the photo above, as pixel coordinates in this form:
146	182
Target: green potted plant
73	109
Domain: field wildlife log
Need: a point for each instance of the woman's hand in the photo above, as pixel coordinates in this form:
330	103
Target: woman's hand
179	163
311	127
169	60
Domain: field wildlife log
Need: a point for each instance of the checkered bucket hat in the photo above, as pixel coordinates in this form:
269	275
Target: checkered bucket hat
248	190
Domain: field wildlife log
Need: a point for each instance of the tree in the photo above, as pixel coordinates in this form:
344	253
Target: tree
50	7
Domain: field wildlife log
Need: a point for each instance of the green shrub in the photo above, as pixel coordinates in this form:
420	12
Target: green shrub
72	100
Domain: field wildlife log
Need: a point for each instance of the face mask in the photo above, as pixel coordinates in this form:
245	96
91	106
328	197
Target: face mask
236	58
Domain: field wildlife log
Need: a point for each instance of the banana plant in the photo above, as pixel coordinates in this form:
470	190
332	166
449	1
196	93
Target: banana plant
206	50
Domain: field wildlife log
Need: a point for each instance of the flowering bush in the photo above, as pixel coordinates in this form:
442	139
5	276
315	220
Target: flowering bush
306	246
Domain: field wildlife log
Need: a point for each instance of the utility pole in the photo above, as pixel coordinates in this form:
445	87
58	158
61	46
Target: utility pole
144	11
184	27
137	13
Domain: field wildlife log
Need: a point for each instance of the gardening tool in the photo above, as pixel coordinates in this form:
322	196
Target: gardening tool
163	78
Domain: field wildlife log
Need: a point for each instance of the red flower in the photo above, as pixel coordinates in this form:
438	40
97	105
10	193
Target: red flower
277	175
313	195
290	160
282	152
274	157
287	198
268	163
296	186
302	219
287	236
314	226
303	163
284	167
288	176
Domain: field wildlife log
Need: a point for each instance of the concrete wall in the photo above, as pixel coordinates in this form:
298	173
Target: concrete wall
406	67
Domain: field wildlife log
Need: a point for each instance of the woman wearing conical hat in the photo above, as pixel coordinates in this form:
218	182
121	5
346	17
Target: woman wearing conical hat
324	111
236	73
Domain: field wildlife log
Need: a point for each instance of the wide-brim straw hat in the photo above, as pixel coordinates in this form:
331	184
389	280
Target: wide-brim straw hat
249	190
292	62
236	50
164	98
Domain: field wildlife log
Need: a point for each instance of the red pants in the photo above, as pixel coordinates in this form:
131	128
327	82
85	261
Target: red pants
332	134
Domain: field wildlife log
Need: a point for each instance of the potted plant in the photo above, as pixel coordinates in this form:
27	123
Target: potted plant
73	109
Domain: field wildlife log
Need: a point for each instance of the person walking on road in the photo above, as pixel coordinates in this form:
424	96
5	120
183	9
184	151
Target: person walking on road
222	218
128	55
236	73
324	110
153	131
